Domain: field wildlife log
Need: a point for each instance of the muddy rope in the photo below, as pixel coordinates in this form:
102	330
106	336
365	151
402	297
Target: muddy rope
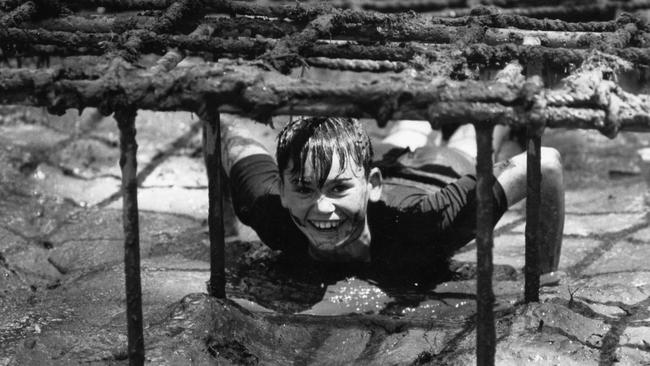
357	65
394	6
602	11
476	54
607	107
19	15
410	26
524	22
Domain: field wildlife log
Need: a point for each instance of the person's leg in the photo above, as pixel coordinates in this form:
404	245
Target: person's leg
408	133
511	174
507	142
464	139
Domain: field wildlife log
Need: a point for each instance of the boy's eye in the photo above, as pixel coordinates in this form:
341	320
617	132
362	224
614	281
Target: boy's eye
339	188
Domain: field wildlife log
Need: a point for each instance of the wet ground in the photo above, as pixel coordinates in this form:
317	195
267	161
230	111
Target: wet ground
61	273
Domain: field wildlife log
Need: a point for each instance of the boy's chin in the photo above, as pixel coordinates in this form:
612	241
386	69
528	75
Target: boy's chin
332	242
325	245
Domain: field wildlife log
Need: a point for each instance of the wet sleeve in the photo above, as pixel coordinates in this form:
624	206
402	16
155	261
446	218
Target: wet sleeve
255	187
254	180
451	212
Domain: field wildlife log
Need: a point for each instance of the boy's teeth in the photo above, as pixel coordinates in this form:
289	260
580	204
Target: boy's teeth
325	224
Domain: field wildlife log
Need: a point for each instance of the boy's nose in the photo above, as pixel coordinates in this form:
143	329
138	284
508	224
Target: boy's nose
324	205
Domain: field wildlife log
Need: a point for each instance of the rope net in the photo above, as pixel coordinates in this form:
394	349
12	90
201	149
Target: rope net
429	65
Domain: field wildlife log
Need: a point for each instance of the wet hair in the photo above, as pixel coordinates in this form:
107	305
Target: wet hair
320	138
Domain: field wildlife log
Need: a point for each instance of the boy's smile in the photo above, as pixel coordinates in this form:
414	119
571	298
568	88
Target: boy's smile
326	225
332	216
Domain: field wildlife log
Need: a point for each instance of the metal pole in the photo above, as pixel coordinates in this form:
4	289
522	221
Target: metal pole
533	204
485	329
128	147
212	155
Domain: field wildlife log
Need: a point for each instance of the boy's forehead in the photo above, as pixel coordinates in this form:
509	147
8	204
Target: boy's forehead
352	169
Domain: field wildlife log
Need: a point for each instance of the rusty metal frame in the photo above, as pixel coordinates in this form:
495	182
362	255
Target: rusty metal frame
212	155
485	328
280	37
128	148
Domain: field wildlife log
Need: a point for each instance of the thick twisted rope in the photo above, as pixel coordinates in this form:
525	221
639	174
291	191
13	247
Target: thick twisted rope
394	6
599	11
591	86
21	14
498	20
476	54
357	65
598	104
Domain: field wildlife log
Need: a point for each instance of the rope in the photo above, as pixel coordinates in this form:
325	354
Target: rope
297	12
576	13
285	54
179	11
589	87
524	22
357	65
19	15
118	5
558	58
601	104
250	27
129	50
394	6
476	54
9	5
73	23
174	56
353	51
418	92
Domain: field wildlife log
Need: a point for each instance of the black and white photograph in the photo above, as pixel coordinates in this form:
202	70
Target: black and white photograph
334	182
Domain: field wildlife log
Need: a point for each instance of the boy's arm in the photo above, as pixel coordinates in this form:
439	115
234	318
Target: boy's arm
237	143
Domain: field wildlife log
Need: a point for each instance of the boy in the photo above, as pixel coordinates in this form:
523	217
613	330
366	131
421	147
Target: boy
325	198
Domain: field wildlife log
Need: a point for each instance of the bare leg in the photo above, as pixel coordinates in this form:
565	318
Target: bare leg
411	134
416	134
511	175
464	139
552	218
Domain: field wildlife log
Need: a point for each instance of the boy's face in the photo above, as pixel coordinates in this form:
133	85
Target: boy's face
333	215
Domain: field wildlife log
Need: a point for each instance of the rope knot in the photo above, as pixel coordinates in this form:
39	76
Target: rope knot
606	97
536	115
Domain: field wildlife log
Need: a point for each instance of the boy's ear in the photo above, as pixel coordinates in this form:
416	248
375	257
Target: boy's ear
374	184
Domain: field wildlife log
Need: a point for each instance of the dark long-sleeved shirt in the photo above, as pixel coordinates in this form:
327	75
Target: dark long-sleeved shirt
408	225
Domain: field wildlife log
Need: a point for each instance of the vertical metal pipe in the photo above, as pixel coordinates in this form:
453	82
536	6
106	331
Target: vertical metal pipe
485	329
212	155
128	148
533	205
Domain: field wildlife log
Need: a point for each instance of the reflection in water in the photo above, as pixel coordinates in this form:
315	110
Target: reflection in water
351	295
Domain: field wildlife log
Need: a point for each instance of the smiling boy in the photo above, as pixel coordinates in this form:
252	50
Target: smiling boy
325	199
